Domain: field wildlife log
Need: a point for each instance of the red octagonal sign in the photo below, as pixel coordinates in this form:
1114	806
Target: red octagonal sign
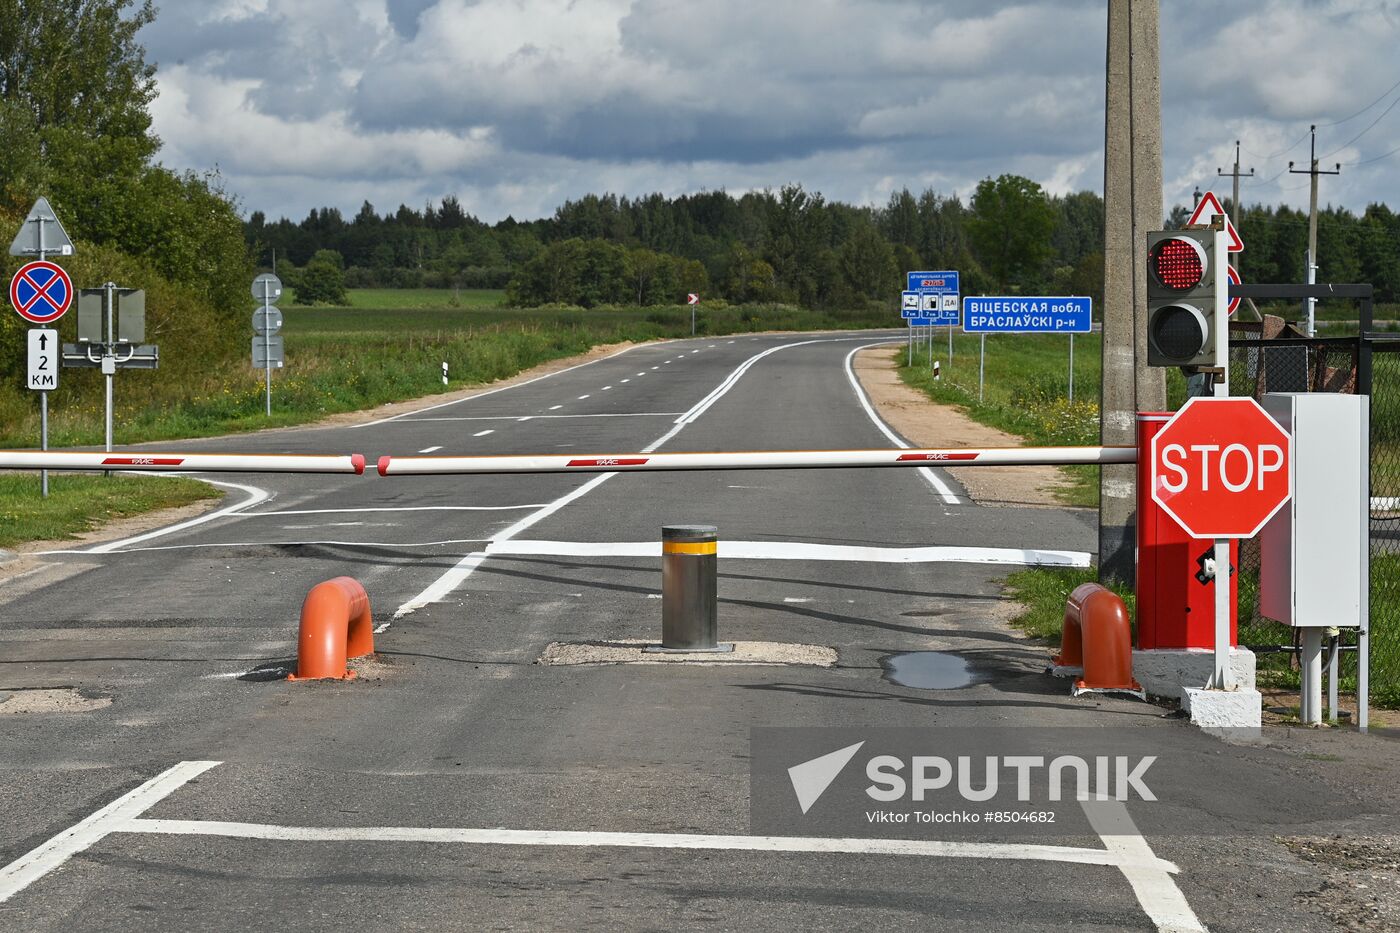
1222	467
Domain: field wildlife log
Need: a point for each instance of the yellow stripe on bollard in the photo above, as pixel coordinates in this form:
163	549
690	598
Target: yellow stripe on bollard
690	547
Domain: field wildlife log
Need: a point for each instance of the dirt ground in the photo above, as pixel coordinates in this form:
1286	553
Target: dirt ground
928	424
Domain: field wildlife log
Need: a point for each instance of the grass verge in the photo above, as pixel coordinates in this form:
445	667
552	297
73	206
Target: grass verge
349	359
81	502
1042	592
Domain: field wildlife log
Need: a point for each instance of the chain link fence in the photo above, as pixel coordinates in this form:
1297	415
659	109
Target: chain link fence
1334	364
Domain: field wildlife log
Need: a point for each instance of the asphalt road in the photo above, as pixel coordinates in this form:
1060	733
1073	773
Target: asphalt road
431	793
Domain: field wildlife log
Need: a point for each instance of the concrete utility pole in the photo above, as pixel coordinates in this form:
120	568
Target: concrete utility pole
1236	175
1314	171
1132	206
1310	273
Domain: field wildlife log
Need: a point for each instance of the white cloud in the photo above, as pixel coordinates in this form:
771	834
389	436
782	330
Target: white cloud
515	105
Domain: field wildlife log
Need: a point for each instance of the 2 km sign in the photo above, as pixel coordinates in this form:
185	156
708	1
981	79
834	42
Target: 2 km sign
1222	467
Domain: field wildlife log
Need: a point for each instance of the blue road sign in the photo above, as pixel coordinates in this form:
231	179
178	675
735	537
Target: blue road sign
937	298
1014	314
41	292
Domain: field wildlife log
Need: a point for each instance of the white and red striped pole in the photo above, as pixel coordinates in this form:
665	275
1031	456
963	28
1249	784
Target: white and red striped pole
163	462
758	460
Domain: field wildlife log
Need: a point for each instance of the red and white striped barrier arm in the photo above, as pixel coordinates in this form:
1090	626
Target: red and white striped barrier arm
163	462
758	460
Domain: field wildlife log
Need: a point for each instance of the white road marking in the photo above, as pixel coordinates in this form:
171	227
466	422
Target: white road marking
340	525
115	817
582	397
484	433
615	414
607	388
456	576
570	838
399	508
555	407
318	543
626	380
255	495
942	488
472	398
801	550
428	450
797	599
656	367
643	374
1151	880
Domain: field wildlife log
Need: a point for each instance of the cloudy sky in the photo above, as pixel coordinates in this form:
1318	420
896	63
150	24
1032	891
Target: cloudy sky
516	105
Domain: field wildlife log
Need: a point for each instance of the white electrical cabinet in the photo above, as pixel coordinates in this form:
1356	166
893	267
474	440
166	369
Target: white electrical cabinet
1314	553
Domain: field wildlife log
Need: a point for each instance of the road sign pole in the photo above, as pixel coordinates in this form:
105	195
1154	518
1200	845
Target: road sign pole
1223	679
1071	369
267	348
1222	315
982	370
43	395
109	356
910	340
950	347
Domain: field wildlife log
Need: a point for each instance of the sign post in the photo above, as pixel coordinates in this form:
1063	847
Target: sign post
1014	314
50	298
693	300
1221	468
267	321
932	298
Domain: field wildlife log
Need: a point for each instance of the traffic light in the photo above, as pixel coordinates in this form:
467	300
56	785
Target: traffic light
1182	283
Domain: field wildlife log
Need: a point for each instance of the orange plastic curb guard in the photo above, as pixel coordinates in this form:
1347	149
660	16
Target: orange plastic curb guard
335	625
1098	637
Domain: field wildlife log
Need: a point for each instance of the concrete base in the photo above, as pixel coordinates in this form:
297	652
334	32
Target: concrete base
1167	672
1223	709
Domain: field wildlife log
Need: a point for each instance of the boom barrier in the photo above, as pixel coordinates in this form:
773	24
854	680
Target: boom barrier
759	460
163	462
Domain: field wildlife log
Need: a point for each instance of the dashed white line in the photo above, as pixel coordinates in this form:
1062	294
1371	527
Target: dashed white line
428	450
627	380
484	433
582	397
606	388
555	407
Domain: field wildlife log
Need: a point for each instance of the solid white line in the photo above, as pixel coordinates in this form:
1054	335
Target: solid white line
115	817
255	495
472	398
400	508
529	837
455	577
219	544
484	433
1156	891
428	450
801	550
942	488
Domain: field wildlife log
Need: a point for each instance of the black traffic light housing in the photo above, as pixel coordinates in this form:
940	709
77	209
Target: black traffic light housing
1183	274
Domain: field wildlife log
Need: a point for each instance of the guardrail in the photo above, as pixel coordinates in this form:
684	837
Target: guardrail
164	462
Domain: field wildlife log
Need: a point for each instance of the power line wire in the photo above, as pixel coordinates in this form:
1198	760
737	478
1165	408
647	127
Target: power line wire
1376	159
1368	129
1363	109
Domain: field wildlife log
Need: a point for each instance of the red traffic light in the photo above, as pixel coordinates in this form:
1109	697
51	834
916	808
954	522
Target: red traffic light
1178	263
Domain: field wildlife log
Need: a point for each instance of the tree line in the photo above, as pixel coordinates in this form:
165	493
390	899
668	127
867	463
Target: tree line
788	246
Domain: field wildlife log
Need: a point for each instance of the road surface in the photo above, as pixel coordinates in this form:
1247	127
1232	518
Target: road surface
459	784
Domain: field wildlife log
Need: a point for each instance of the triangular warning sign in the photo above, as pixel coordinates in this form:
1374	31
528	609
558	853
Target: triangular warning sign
42	221
1208	208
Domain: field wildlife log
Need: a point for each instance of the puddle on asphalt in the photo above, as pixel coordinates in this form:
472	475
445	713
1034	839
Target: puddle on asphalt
930	670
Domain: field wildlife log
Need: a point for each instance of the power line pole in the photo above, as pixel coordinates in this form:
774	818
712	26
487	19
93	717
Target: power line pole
1236	175
1132	207
1314	171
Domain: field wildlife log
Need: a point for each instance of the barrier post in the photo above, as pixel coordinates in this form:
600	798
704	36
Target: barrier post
689	571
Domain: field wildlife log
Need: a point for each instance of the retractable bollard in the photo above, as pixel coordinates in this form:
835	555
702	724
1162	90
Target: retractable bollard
689	568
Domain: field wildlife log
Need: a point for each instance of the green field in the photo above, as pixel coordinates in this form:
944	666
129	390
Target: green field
381	299
349	359
79	503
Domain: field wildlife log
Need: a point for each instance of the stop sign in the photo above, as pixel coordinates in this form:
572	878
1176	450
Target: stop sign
1221	467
